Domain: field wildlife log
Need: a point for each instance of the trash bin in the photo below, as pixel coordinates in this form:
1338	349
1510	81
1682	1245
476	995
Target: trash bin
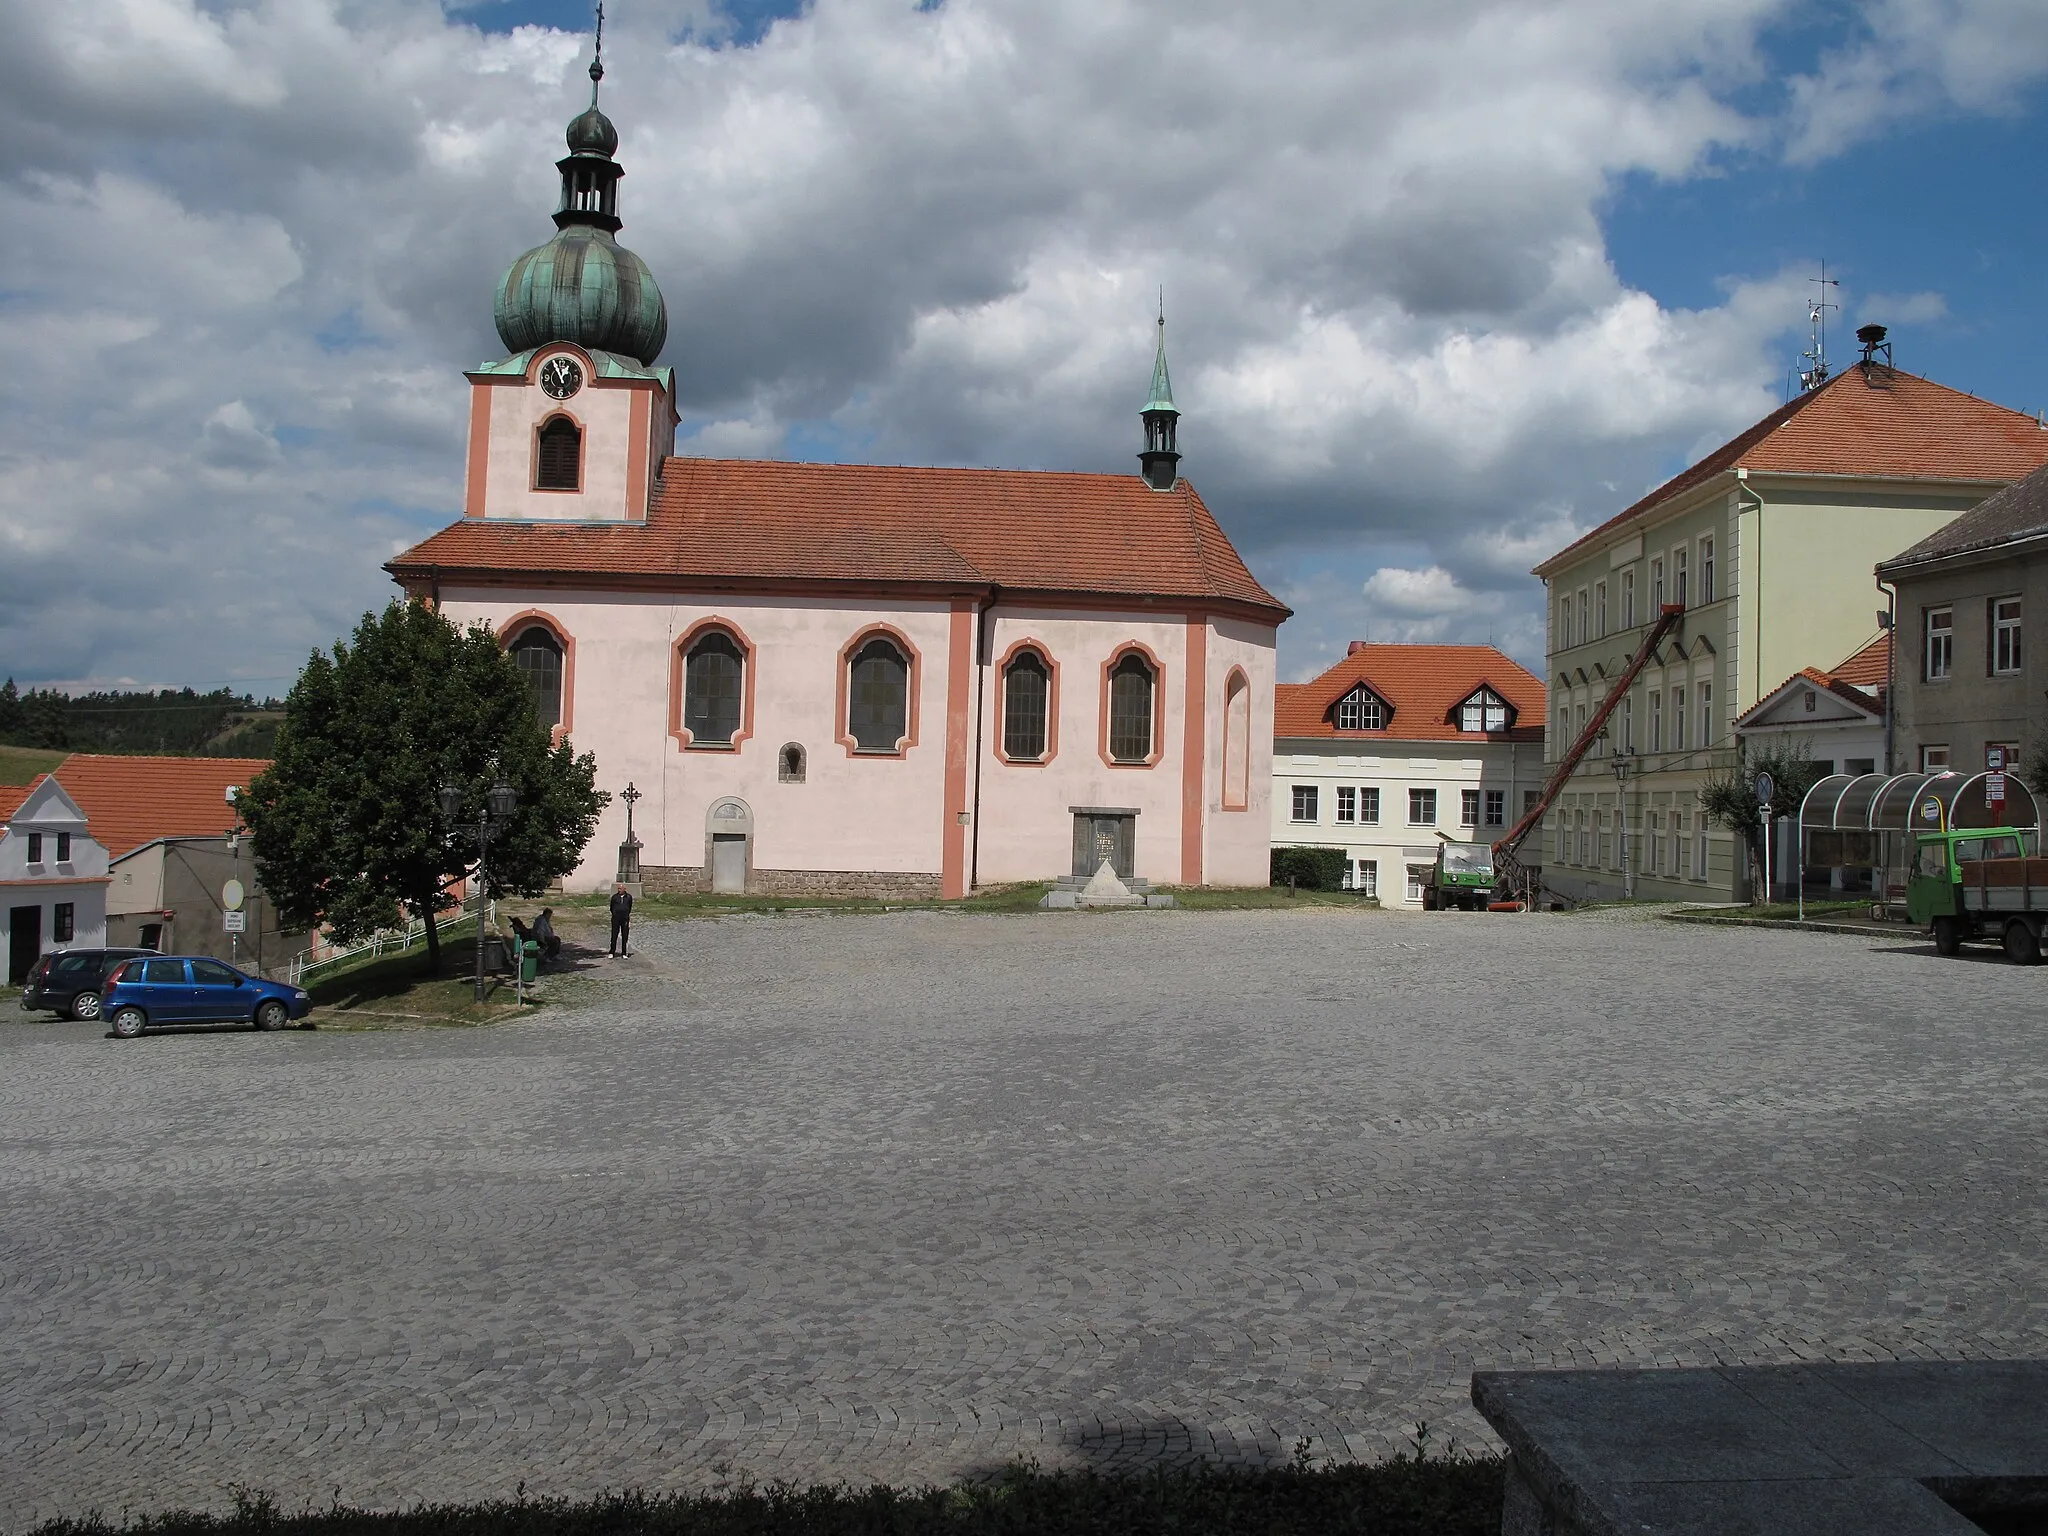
529	961
497	956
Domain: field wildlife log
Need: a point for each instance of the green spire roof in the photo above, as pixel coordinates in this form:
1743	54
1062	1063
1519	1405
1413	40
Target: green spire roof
1161	398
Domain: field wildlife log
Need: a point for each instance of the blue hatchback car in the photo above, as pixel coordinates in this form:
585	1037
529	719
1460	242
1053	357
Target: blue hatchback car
195	989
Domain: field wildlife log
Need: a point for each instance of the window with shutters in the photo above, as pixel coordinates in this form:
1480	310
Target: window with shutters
558	456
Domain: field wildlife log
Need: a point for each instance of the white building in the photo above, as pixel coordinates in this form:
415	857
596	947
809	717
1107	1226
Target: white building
1836	716
53	877
1397	744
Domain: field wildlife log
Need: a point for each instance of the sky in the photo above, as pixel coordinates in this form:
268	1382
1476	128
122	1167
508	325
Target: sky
1445	284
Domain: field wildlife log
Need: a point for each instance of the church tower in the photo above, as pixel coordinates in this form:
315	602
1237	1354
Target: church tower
1160	461
573	425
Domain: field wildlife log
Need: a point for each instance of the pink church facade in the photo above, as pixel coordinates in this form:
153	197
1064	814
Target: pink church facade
832	679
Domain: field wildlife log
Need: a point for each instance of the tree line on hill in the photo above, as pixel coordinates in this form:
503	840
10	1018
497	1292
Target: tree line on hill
176	721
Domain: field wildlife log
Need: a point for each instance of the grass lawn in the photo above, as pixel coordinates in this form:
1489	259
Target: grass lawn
396	989
22	765
1007	898
1408	1496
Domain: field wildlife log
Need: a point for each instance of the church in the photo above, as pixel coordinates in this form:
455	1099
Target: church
840	679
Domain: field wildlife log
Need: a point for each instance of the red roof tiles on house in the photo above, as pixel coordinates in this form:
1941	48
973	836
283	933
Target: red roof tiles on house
1876	421
728	521
129	801
1424	684
12	796
1870	667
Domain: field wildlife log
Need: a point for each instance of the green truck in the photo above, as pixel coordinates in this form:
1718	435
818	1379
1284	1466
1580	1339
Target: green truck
1462	878
1980	885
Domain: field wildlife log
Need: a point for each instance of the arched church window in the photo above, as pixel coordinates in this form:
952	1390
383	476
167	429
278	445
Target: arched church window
1027	688
712	697
1237	742
558	456
538	655
878	697
1130	709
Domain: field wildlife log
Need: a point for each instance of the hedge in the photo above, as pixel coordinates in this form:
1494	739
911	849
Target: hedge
1455	1495
1313	869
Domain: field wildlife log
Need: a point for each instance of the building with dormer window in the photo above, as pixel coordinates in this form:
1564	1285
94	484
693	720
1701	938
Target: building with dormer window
53	877
837	678
1399	746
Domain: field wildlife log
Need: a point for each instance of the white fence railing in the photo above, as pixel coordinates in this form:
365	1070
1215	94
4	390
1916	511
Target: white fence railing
385	941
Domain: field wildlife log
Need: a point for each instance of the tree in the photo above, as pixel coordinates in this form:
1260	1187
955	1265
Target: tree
347	822
1729	797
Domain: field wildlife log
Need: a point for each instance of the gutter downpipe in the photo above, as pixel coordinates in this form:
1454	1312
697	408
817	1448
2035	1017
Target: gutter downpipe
1891	665
1742	486
981	613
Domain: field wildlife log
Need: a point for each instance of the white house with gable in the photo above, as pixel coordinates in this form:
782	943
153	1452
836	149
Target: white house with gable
53	878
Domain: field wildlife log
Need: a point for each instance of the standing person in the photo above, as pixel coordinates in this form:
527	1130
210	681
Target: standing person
622	919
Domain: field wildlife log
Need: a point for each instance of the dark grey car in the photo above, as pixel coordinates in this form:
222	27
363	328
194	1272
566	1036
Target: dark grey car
70	982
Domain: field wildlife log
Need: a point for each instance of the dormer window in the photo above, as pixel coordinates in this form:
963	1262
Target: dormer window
1362	710
35	847
1484	711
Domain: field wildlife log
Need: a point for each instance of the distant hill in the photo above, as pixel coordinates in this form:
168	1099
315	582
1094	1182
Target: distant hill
174	721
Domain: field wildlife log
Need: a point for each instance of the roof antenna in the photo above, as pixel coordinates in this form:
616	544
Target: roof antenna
597	55
1815	373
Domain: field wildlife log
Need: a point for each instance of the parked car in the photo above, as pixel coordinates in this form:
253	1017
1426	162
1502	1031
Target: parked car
195	989
70	981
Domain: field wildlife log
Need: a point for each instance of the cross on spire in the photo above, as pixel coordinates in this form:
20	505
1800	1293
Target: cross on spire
597	55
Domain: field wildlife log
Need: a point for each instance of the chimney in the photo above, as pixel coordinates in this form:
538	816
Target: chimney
1354	648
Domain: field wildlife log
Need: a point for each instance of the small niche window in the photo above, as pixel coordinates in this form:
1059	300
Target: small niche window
1027	688
789	764
558	456
1130	709
1483	711
712	681
878	697
1361	710
538	655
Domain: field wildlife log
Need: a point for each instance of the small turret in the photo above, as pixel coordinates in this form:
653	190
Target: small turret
1161	460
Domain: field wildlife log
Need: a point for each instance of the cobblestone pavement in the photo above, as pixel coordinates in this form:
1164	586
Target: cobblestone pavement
909	1196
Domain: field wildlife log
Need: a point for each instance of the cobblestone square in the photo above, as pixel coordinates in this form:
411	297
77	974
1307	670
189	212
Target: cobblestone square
909	1196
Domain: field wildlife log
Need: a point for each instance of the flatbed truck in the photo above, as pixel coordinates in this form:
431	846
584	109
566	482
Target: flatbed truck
1980	885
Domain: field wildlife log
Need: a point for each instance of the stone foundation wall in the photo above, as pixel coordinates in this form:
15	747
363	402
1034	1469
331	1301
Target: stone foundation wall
881	885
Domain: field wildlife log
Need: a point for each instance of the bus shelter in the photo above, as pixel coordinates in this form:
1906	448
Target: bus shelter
1859	828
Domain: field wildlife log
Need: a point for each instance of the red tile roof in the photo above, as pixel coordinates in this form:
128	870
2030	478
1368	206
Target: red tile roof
1847	692
1878	422
745	521
12	796
129	801
1870	667
1423	684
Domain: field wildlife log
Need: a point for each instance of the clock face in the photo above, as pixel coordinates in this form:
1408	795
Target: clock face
560	377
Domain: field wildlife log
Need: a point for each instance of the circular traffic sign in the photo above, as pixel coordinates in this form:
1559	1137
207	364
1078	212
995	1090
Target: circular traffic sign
1766	786
231	895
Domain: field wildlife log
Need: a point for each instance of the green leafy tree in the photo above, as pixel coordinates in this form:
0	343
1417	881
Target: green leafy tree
1729	797
347	821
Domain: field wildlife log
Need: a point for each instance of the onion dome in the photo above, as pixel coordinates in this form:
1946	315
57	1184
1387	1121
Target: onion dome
583	286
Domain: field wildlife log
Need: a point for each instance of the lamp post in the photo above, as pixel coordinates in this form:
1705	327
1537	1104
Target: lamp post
499	802
1623	761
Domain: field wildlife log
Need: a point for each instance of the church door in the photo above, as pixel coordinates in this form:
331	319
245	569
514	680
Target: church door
729	863
1104	835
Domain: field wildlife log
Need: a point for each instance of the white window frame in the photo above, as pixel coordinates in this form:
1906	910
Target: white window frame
1656	585
2005	637
1369	805
1414	883
1933	756
1315	809
1678	717
1414	802
1681	577
1628	599
1496	807
1347	804
1699	847
1656	720
1600	606
1706	703
1468	807
1706	569
1938	644
1367	880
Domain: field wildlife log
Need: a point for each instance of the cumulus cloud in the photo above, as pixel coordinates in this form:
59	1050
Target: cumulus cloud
252	248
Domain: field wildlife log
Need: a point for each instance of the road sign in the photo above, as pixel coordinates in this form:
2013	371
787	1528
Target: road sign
234	922
1930	810
1766	788
1994	761
1994	789
232	895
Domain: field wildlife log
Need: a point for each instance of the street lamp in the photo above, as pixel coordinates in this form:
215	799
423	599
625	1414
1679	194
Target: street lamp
1623	761
499	802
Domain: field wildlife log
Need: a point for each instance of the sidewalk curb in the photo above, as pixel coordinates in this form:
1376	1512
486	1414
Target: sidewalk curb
1811	925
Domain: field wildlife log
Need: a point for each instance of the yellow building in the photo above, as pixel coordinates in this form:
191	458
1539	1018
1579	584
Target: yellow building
1768	543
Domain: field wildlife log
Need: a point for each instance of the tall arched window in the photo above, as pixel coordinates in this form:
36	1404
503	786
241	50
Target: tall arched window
558	456
712	689
538	655
878	697
1237	742
1130	709
1027	689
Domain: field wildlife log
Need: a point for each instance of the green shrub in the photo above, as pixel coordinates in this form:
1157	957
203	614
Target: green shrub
1419	1495
1313	869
